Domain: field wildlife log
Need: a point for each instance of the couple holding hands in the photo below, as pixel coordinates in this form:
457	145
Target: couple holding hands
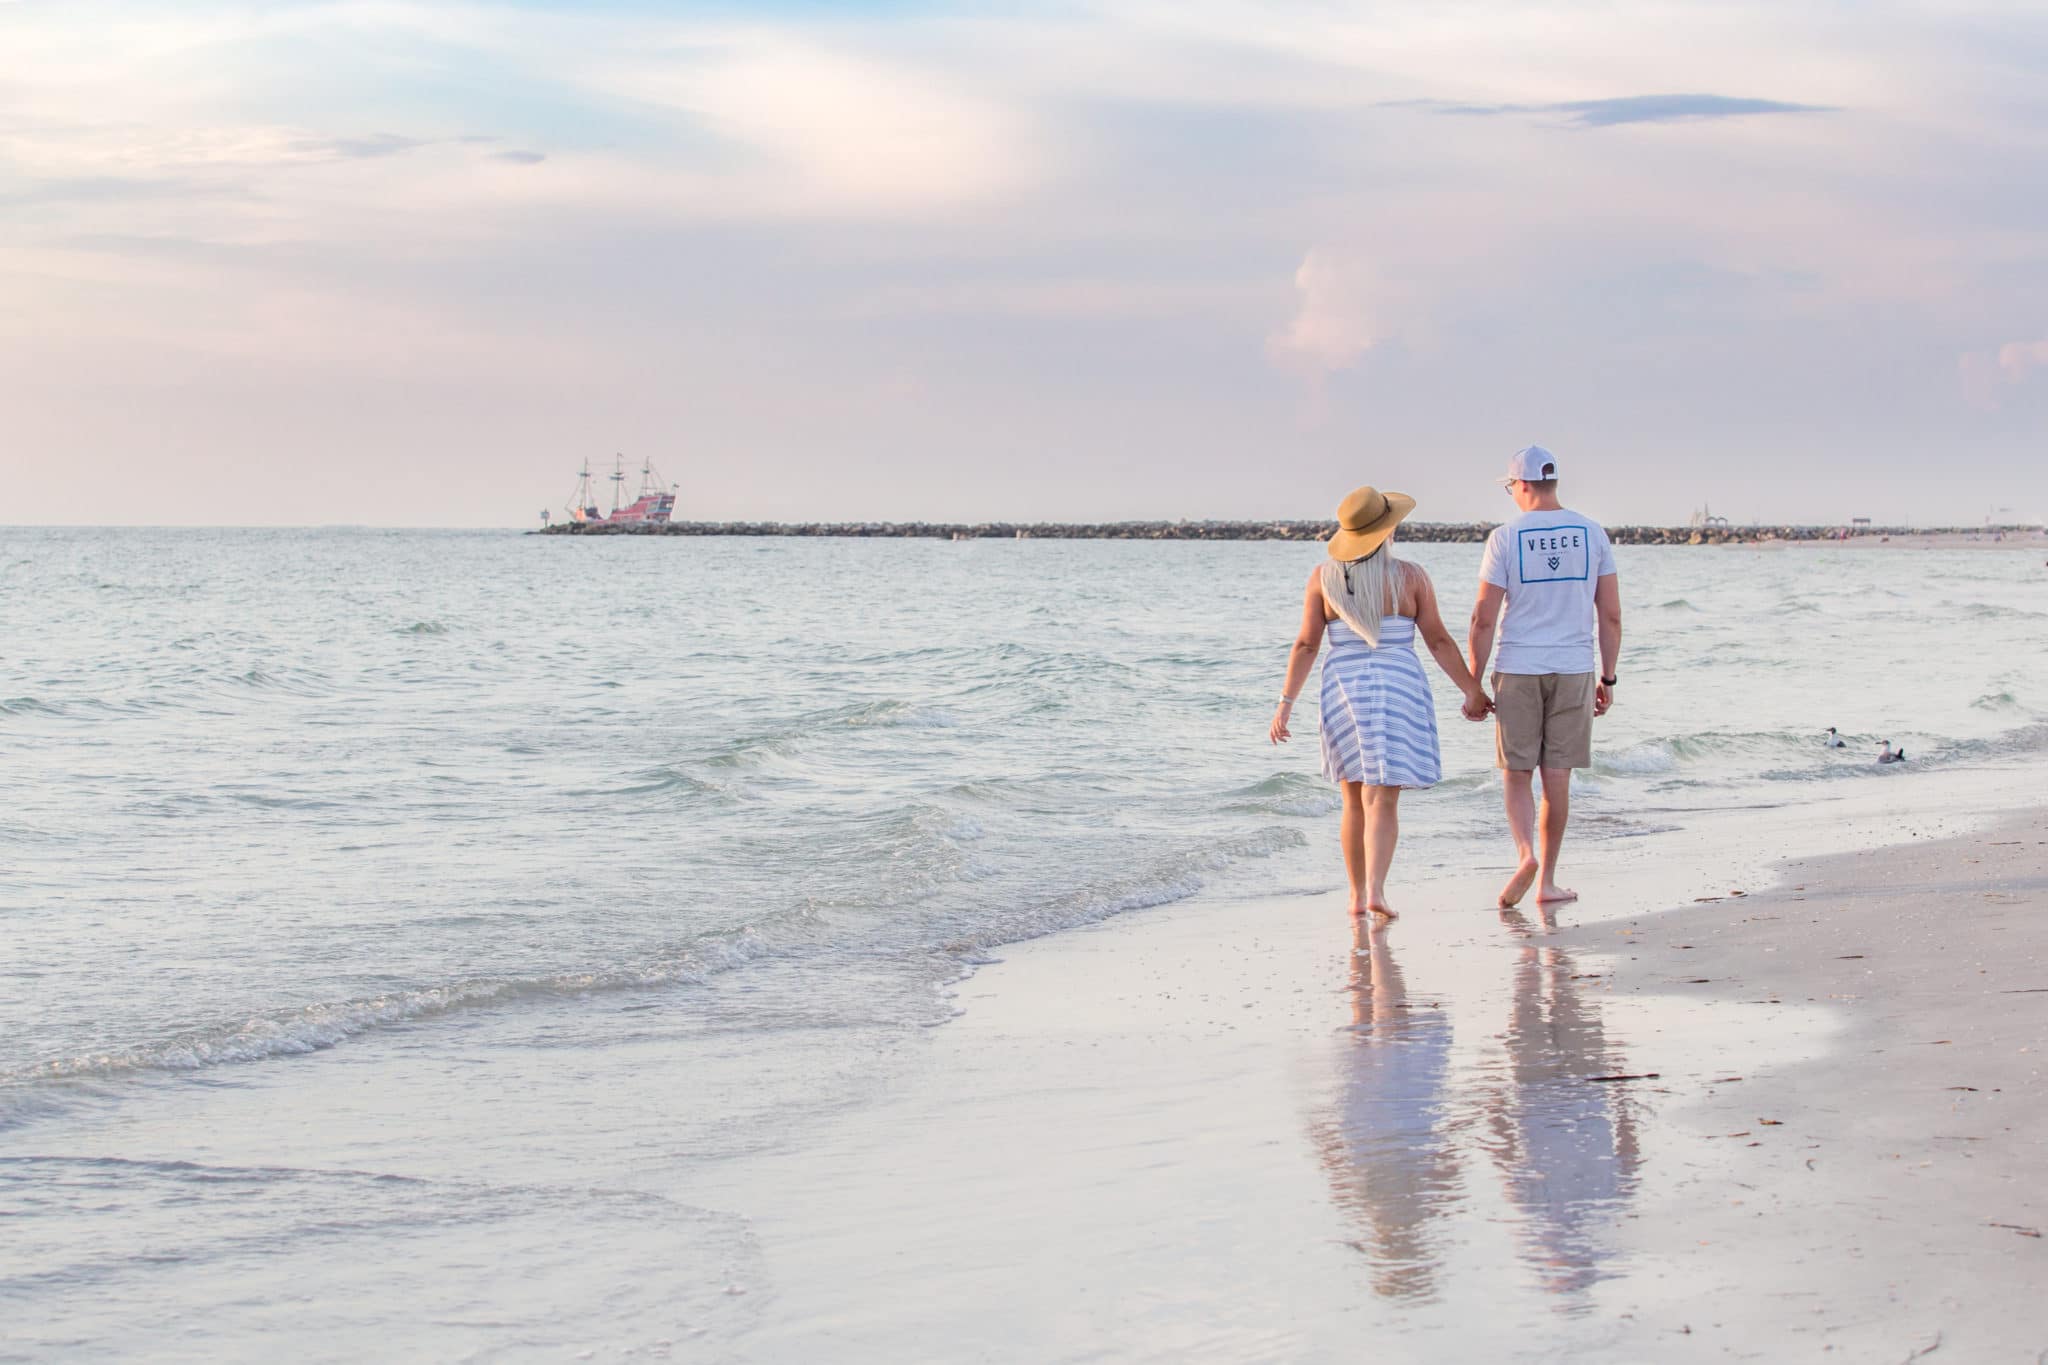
1548	594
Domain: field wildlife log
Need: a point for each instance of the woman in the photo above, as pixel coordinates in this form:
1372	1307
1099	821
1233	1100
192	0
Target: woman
1379	723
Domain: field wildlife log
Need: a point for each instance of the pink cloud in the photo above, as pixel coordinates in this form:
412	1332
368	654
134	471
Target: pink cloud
1985	374
1335	321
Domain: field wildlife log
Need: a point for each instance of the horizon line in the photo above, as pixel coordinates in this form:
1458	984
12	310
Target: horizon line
1862	529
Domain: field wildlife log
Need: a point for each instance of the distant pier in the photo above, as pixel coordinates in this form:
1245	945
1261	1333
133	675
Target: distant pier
1439	533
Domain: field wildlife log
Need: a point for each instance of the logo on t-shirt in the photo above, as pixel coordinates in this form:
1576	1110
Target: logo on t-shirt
1553	554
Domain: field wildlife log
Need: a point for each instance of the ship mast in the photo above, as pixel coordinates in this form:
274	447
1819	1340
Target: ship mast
651	482
618	477
582	503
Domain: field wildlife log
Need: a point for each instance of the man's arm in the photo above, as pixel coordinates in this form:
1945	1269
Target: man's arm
1607	605
1485	619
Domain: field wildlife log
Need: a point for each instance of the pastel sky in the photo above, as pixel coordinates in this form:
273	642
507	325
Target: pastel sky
372	261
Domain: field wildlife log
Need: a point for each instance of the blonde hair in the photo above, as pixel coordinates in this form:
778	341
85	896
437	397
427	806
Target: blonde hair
1361	591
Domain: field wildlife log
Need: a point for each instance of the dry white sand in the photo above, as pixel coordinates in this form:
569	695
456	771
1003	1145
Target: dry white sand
1228	1132
1888	1194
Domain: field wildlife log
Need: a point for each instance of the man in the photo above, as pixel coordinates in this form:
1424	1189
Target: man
1547	582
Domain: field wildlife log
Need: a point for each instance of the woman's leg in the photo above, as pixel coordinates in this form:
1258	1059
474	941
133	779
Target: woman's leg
1382	830
1351	833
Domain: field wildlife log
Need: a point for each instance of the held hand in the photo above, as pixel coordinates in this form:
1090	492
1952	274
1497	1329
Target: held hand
1477	704
1603	697
1278	733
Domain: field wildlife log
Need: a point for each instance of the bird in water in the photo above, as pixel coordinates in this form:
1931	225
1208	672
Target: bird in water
1834	741
1887	754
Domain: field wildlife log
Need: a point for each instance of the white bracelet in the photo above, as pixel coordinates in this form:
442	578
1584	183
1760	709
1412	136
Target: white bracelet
1286	700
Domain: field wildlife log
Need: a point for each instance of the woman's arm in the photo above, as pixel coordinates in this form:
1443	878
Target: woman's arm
1300	659
1430	623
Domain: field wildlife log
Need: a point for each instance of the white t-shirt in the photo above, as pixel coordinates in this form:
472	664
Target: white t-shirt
1549	562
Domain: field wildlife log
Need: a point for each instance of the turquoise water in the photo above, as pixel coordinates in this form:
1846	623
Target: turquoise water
430	812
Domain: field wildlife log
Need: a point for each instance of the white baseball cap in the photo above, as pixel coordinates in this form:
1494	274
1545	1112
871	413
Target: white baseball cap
1531	464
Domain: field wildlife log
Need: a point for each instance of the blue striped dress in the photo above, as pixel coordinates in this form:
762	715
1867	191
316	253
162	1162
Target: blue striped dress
1379	720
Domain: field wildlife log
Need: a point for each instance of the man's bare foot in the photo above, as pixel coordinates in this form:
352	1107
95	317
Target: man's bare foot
1554	895
1518	885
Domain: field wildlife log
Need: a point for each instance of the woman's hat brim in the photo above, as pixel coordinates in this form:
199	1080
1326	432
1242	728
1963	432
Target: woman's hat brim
1348	545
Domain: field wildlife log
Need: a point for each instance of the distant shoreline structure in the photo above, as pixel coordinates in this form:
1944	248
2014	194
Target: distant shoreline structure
1426	533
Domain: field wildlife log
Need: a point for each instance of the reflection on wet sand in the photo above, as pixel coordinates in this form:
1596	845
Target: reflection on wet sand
1390	1164
1411	1117
1565	1144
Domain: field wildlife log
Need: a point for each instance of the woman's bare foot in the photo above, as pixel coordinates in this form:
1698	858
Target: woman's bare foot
1554	895
1380	907
1518	885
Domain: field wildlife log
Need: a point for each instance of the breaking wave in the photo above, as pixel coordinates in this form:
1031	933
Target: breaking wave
963	929
317	1027
1293	793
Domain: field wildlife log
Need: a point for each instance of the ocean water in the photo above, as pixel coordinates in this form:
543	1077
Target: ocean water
338	869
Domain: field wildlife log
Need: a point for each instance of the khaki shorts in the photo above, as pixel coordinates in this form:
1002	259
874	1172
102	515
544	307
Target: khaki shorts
1543	720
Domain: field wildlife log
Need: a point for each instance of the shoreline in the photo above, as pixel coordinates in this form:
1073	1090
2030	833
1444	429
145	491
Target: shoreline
1222	1128
1219	1129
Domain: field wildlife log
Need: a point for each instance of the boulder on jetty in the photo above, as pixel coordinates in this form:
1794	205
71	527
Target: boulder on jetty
1423	532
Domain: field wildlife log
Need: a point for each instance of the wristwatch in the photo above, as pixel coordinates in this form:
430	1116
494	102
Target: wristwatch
1609	682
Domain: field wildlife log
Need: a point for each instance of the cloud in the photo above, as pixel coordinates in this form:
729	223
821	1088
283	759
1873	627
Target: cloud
1335	321
109	190
84	148
375	146
1104	298
834	130
1607	113
1986	373
357	148
2015	358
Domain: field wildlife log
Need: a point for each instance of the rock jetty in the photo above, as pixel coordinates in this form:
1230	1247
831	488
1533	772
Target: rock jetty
1415	532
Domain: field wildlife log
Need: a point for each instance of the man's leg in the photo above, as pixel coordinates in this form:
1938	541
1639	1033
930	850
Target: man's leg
1557	809
1567	744
1517	746
1519	786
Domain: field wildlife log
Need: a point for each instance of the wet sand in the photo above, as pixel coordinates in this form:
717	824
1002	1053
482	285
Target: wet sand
1230	1131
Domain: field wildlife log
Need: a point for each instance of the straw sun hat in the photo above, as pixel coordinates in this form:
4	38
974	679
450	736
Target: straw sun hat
1365	519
